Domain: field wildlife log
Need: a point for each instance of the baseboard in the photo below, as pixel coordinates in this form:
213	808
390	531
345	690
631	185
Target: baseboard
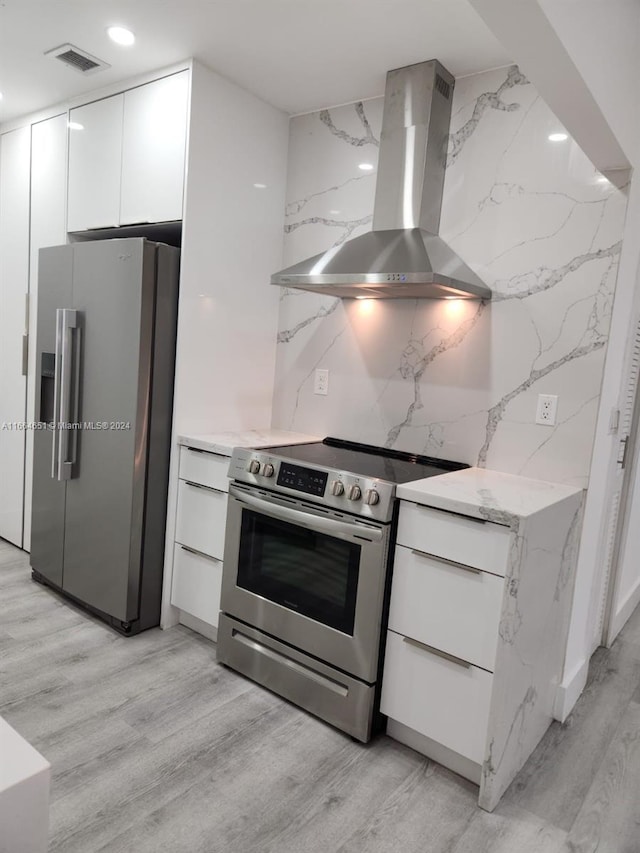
624	612
568	693
198	626
436	751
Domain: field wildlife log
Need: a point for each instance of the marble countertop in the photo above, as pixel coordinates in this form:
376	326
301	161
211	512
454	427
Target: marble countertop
20	761
486	494
224	442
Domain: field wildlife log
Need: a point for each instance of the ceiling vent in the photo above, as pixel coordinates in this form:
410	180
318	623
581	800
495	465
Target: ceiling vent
77	59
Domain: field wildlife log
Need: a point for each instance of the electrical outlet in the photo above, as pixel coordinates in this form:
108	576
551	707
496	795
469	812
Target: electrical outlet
547	408
321	382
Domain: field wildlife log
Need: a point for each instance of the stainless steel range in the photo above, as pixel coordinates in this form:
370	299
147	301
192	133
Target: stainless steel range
308	550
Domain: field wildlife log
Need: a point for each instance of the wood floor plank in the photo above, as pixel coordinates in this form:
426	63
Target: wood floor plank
432	803
511	830
155	747
110	796
609	820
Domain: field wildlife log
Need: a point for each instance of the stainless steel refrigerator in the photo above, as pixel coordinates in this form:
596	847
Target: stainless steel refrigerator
106	332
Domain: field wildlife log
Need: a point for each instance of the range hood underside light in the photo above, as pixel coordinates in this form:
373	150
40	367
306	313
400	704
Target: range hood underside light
402	256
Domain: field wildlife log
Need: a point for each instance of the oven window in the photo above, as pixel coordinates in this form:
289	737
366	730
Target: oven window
309	572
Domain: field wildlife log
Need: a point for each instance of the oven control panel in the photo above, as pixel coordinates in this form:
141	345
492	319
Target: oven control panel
301	479
351	493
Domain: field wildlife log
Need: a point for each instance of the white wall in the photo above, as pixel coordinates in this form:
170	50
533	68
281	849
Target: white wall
232	242
602	38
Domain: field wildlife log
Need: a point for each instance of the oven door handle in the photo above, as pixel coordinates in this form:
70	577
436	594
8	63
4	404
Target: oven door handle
341	529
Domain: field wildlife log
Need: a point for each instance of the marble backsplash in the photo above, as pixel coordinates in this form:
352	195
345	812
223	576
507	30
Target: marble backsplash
451	378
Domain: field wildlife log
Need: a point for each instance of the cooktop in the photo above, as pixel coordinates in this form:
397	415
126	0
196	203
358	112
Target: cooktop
382	463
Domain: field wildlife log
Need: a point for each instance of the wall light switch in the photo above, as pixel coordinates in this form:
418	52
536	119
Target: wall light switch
321	382
547	408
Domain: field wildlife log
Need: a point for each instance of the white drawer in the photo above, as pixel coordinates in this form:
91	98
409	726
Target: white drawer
208	469
202	514
460	538
196	584
438	698
449	606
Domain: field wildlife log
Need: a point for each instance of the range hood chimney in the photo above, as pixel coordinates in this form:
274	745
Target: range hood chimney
402	256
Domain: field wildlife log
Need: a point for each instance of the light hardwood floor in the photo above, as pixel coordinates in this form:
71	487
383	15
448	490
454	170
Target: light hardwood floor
154	747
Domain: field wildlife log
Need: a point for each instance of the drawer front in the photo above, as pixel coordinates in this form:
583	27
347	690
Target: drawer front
208	469
202	515
447	606
196	583
440	699
465	540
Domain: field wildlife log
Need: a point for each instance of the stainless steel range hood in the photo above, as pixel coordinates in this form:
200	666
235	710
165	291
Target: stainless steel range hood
402	256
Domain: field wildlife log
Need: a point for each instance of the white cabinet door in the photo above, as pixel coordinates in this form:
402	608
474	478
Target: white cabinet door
208	469
153	150
95	164
446	605
467	540
15	155
438	698
48	194
201	518
197	581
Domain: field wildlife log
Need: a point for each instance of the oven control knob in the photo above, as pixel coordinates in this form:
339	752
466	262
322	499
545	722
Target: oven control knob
372	497
337	488
355	493
267	470
253	467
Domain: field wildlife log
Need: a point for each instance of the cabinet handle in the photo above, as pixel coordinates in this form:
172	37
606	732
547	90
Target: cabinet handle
25	354
437	652
457	514
200	554
200	450
200	486
453	563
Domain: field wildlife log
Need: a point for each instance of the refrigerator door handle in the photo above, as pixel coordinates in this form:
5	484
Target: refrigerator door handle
65	425
55	426
76	396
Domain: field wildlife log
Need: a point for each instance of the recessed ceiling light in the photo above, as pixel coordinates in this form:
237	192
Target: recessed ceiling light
558	137
120	35
260	186
75	125
366	167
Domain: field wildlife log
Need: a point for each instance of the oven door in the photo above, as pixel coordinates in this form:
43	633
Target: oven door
310	577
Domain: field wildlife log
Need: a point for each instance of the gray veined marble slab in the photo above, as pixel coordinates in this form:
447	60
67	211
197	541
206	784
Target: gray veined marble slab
492	495
449	380
532	638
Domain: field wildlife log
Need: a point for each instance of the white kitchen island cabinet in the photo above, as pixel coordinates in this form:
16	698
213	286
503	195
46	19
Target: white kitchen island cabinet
479	614
127	156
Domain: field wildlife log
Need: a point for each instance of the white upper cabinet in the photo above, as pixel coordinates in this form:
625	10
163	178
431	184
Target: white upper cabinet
127	156
95	164
153	150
